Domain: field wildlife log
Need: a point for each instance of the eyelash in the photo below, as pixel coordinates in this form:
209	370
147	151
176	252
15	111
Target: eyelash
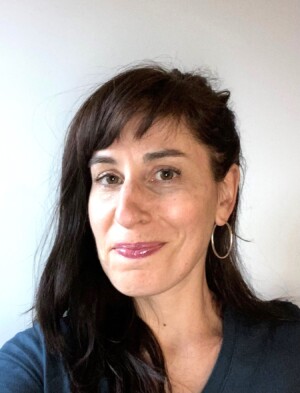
175	173
100	179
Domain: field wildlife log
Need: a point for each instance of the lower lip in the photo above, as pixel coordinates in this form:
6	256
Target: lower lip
136	253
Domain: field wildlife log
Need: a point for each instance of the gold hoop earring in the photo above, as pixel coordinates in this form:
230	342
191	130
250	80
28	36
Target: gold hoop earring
230	242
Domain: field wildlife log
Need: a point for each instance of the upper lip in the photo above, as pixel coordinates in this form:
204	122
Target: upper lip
138	245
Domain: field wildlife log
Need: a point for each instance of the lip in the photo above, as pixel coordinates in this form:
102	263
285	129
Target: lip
137	250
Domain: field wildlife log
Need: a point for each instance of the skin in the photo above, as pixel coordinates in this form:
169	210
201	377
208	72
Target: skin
138	195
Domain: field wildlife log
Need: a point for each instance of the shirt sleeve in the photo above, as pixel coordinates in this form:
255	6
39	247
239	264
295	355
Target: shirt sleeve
21	363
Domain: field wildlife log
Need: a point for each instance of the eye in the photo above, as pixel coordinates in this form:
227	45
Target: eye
166	174
108	179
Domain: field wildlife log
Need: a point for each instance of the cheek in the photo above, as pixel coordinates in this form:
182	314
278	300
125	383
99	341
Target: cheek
190	211
100	217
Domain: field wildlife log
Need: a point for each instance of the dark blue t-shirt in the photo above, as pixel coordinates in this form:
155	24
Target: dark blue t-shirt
254	358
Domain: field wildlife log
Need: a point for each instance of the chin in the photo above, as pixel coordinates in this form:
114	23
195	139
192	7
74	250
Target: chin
134	291
135	288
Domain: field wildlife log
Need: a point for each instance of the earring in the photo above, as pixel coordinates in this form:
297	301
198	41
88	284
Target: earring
230	242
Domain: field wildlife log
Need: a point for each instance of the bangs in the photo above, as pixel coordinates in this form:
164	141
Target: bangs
149	97
146	113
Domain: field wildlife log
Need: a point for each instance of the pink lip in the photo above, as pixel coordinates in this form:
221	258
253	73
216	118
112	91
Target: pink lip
137	250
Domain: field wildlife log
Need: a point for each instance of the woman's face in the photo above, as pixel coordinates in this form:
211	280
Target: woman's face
152	207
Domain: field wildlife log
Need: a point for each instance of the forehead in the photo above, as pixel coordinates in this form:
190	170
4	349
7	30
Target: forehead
165	138
164	132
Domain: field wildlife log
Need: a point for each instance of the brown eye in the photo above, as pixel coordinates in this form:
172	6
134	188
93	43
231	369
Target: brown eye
109	179
166	174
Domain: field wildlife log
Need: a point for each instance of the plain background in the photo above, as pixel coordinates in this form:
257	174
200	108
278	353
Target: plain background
53	53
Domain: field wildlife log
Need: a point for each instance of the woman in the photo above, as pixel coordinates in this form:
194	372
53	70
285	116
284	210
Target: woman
141	291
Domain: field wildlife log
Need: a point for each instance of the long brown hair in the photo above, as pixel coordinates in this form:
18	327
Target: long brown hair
106	340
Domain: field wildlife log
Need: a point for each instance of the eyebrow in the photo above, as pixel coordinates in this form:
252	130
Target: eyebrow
98	159
156	155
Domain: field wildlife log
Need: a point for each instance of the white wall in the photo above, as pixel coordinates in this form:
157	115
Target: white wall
53	52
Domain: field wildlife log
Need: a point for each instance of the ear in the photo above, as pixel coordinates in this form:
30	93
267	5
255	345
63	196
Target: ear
227	193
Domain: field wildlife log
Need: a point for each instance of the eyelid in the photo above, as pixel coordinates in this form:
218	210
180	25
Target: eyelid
102	175
176	171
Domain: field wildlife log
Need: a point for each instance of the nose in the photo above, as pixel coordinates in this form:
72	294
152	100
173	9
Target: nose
132	206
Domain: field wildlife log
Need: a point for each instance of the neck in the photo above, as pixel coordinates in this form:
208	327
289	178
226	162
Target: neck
182	317
186	322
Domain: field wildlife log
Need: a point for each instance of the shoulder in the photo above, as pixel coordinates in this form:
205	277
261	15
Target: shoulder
267	352
278	335
287	320
26	366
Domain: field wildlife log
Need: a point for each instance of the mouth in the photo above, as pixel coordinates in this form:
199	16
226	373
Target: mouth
137	250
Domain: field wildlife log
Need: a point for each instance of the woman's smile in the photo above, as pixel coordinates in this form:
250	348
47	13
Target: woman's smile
137	250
